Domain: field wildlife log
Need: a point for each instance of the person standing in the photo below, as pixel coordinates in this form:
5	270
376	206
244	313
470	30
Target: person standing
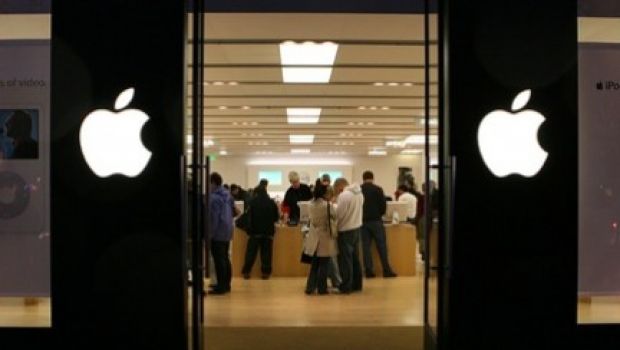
262	214
350	201
220	232
321	240
297	192
405	196
372	227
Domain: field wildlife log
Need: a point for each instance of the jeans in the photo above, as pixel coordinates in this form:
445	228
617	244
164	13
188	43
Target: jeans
265	243
375	230
349	260
333	272
421	235
223	268
317	279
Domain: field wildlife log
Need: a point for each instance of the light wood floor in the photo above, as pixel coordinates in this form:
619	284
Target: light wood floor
15	312
281	302
603	309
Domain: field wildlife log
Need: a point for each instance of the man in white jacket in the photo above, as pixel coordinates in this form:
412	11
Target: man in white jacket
349	212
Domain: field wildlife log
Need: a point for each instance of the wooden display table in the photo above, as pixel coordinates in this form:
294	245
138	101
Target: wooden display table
401	247
287	246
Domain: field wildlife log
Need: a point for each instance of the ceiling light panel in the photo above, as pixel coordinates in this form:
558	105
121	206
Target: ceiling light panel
303	115
377	152
310	53
307	53
301	139
300	151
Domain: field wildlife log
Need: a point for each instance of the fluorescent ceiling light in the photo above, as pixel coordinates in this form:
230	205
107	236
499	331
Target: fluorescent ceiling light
300	151
377	152
303	115
311	53
304	139
306	75
395	143
307	53
299	161
419	140
411	151
223	152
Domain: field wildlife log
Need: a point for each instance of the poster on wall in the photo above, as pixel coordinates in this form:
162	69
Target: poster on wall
24	168
599	169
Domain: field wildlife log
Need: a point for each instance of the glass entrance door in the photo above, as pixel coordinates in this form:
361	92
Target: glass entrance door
432	220
195	169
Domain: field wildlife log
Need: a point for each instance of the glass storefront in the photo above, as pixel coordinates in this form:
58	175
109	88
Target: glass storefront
25	290
599	207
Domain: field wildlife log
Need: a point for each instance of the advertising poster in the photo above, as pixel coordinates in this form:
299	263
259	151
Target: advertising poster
24	168
599	169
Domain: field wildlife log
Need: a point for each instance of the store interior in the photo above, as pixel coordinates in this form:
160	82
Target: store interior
368	114
356	105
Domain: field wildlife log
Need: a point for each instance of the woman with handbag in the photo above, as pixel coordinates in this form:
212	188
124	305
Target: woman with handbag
321	240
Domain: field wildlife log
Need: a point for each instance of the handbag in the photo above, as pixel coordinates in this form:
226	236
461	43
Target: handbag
333	231
305	258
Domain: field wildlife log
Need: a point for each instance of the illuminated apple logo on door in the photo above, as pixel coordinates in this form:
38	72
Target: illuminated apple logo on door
508	141
111	142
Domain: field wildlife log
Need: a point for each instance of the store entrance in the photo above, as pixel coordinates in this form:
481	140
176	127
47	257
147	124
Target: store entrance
290	97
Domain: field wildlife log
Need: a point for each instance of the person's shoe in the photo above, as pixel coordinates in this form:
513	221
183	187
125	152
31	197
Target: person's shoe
370	275
265	276
323	292
389	274
308	292
344	292
246	276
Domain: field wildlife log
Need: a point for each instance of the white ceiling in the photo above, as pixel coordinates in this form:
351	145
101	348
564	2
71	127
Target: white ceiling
244	49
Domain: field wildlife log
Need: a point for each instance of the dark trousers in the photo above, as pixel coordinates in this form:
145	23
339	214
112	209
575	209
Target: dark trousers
374	230
223	268
349	260
265	243
317	279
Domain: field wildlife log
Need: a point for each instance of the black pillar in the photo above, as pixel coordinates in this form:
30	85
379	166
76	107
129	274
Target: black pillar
513	254
117	269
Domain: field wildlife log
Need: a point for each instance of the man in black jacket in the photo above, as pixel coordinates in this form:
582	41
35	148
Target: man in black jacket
263	214
372	226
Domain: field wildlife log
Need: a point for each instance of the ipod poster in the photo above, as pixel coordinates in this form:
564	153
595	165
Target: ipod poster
24	168
599	169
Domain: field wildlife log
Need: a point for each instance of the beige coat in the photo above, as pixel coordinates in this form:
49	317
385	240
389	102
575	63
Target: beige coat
319	239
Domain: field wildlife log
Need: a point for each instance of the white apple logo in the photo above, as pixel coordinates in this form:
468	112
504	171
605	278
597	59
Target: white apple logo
111	142
508	142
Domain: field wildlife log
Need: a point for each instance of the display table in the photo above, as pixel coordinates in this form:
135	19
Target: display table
287	245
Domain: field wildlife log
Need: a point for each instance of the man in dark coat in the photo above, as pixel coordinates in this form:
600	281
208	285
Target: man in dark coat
372	227
263	214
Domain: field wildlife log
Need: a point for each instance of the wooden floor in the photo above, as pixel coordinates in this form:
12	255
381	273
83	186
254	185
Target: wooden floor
276	314
281	302
17	312
601	309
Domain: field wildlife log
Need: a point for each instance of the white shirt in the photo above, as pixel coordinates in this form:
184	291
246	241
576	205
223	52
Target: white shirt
350	208
412	202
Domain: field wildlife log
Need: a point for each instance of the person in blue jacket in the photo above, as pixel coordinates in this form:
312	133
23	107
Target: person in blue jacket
220	232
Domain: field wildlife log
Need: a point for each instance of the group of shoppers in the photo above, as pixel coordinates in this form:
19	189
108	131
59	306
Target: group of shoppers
339	216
